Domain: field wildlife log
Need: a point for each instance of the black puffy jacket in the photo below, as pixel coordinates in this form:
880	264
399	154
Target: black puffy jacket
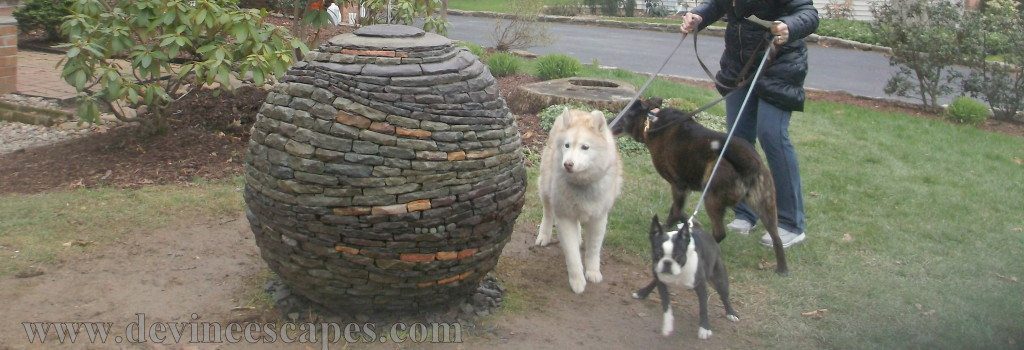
781	83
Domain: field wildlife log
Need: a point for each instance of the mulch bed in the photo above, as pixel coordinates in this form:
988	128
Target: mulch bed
206	139
529	124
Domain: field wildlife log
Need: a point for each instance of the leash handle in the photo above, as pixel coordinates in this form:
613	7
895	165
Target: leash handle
743	106
648	83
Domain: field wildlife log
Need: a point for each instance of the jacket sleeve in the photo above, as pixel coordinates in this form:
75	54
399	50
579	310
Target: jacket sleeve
802	19
710	11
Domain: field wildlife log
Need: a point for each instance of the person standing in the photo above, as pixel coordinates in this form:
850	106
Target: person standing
778	92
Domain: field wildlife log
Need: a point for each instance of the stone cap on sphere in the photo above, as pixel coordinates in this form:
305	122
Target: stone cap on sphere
389	37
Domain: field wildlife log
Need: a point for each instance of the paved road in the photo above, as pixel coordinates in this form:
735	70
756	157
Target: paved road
857	72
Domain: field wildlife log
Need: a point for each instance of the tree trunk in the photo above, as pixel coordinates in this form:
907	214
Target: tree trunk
444	10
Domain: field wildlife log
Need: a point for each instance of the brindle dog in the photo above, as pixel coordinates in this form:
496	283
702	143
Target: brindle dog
684	153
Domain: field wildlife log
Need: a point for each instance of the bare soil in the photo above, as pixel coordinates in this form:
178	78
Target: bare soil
209	266
194	266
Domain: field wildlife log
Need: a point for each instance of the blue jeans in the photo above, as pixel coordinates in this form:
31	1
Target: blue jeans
765	122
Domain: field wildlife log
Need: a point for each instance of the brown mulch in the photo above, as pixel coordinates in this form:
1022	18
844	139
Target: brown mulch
206	139
529	124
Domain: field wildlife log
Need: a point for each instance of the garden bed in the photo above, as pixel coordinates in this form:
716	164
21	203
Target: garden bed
206	139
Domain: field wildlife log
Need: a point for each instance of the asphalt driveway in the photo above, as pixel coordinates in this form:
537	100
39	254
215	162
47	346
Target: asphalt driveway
857	72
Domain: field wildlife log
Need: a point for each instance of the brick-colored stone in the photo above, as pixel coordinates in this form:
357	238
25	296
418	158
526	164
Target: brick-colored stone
417	257
417	133
465	253
418	205
448	280
390	209
353	120
352	211
383	128
447	255
346	250
457	155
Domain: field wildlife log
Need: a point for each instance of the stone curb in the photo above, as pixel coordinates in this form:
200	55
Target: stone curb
823	41
31	115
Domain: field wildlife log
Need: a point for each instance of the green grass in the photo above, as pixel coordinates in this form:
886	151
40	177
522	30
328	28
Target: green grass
859	31
33	228
934	212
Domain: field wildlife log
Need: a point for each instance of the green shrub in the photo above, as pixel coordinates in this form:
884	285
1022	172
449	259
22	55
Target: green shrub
859	31
475	49
557	66
967	110
549	115
921	34
43	14
504	64
123	52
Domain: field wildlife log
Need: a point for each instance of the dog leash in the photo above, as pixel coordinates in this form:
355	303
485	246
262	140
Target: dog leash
649	80
743	106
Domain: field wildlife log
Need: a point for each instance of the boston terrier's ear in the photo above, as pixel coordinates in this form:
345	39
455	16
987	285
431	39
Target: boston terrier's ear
655	226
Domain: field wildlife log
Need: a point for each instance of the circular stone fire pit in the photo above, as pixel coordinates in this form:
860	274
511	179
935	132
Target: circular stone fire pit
384	172
595	92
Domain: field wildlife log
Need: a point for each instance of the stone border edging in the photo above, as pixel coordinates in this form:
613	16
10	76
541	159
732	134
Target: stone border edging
31	115
823	41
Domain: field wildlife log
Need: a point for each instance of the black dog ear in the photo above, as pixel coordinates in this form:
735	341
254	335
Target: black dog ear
655	226
652	103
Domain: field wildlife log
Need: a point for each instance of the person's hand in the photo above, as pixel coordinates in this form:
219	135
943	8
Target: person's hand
690	22
781	32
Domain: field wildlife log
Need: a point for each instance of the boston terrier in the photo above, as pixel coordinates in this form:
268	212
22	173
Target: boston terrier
689	258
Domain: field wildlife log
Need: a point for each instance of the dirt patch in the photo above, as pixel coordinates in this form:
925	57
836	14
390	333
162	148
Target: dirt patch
208	267
604	315
206	139
195	266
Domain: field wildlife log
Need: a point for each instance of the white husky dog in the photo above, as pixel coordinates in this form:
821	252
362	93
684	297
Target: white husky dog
580	177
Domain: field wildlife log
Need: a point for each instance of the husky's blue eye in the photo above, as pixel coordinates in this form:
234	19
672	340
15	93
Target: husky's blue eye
566	145
585	147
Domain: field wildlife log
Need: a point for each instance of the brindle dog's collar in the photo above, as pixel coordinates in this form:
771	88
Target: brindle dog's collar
651	119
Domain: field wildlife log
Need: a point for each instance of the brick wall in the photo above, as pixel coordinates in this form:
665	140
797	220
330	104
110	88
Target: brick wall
7	7
8	54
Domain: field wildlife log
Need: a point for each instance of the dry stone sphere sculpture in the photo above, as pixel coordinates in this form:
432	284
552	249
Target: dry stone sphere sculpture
384	172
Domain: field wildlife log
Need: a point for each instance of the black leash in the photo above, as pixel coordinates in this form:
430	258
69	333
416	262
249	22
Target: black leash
649	81
743	83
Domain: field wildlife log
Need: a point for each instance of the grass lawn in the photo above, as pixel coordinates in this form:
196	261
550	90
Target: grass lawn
34	228
915	231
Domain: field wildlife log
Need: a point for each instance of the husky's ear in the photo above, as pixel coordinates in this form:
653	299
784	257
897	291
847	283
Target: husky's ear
597	118
655	226
566	117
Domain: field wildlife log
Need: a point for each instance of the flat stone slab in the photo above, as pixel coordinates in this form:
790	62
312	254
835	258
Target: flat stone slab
599	93
389	31
389	37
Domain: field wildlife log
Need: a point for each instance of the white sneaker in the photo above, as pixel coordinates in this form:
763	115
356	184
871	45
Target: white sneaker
788	238
740	226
